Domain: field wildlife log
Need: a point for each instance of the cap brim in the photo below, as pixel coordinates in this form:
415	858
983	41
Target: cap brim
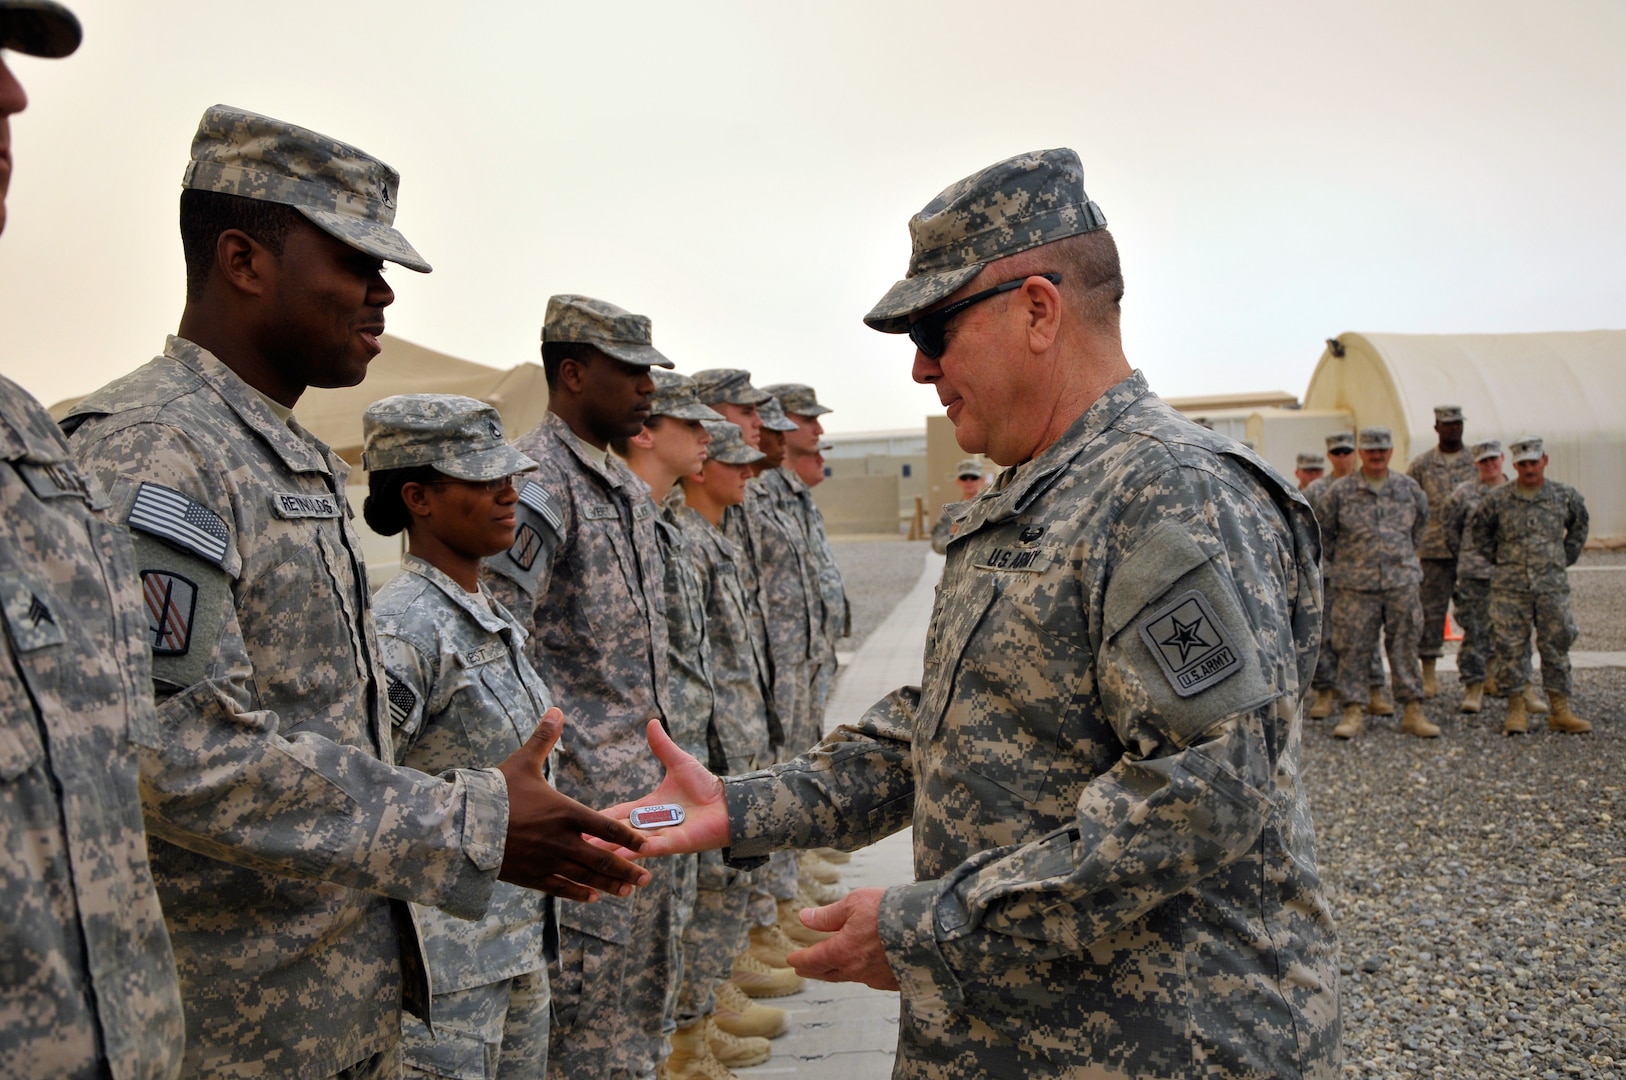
914	294
690	412
745	455
1487	455
39	28
779	425
380	241
642	355
1520	459
490	464
812	410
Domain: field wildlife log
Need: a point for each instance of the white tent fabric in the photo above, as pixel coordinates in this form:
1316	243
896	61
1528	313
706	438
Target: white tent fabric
1569	388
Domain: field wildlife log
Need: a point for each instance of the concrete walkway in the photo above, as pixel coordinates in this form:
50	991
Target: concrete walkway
846	1031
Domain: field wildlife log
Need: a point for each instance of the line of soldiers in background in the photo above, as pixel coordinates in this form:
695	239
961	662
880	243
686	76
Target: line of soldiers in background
1399	548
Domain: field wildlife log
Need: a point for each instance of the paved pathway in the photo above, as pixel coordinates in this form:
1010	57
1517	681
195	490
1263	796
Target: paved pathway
845	1031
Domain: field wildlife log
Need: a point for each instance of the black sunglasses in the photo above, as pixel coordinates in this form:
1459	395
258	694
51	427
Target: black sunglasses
1340	452
927	331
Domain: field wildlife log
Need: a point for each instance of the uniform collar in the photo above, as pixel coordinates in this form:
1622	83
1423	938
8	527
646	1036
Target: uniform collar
488	620
612	472
299	449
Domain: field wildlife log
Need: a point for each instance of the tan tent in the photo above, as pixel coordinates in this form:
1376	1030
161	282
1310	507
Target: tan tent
1569	388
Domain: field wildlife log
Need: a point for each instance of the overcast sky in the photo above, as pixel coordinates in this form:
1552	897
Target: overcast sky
1275	173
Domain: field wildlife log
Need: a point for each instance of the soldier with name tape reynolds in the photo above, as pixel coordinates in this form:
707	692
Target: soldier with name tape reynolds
278	827
1115	859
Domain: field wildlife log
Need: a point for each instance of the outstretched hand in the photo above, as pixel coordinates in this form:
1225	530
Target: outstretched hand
690	785
546	848
855	953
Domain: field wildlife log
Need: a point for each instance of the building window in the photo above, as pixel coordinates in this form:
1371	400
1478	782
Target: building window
906	468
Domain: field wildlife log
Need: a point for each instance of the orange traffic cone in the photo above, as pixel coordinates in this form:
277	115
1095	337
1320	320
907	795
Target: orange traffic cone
1451	631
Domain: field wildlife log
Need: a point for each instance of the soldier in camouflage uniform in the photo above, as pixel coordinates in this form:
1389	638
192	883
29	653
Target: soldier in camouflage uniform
1341	452
1530	531
968	475
1439	471
1472	596
1115	856
87	979
277	823
461	695
586	578
1309	468
1371	522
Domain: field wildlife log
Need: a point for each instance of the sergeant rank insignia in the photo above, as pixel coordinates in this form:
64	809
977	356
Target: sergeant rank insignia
1190	644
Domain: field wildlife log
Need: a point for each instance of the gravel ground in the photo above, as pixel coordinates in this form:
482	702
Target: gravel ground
877	574
1477	879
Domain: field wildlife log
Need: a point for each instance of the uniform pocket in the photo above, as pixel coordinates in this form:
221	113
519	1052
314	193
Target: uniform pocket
20	745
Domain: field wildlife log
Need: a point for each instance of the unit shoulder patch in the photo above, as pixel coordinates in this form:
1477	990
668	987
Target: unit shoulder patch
172	602
1190	644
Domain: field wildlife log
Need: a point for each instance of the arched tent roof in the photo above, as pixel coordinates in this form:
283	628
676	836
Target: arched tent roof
1569	388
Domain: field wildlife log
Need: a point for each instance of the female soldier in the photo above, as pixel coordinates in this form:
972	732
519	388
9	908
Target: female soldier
461	695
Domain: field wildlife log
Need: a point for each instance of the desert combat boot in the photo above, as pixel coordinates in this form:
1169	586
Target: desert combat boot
1518	720
1413	722
1351	725
1473	697
1561	719
1378	703
1323	704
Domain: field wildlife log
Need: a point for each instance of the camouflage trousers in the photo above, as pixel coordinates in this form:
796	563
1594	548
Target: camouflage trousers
792	698
772	882
1326	664
1473	612
609	997
685	897
824	676
1439	581
1356	617
501	1025
714	937
1511	613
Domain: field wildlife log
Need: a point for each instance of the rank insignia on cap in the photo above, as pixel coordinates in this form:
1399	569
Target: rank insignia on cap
1190	644
402	699
537	498
171	602
527	544
181	521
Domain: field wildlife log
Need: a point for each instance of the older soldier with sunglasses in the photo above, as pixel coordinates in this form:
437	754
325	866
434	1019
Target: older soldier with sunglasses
1114	859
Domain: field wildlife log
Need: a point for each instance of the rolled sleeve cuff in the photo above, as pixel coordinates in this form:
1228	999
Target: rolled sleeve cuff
908	930
485	835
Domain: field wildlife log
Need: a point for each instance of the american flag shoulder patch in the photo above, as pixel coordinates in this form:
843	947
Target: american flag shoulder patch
402	699
180	520
537	498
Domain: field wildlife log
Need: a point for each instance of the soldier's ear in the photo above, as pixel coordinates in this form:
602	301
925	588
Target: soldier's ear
415	497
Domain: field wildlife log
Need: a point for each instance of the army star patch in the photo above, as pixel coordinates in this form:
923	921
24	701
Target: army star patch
1190	644
171	602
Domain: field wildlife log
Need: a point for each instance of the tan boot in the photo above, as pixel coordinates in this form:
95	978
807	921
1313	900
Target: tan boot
1561	719
691	1057
1490	684
1351	725
813	868
1323	704
832	856
758	980
1518	721
1415	723
1473	697
734	1052
1378	703
770	945
739	1015
818	894
1533	700
790	921
1431	684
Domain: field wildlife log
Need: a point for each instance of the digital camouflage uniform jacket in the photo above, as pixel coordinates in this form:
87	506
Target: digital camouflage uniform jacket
1116	860
1530	541
1439	476
796	498
1370	538
585	578
87	980
688	649
1459	511
270	801
462	695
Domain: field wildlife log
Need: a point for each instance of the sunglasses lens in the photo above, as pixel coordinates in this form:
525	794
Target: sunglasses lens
927	334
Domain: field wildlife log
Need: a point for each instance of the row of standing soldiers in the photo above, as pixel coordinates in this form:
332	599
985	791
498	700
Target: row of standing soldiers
1400	548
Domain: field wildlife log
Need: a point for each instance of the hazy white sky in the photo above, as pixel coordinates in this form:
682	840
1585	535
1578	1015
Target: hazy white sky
1275	173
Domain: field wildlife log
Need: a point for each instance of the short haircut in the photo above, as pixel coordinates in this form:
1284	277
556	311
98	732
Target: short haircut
384	511
1092	279
555	353
207	214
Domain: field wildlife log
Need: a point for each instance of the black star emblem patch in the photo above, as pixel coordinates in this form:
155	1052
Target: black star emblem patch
1189	644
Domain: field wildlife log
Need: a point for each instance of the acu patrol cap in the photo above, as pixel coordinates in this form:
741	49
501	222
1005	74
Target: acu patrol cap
1448	414
798	399
674	396
345	192
728	444
1341	440
38	28
1376	438
613	331
773	416
1483	451
1020	203
970	467
1528	448
727	385
458	436
1307	460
